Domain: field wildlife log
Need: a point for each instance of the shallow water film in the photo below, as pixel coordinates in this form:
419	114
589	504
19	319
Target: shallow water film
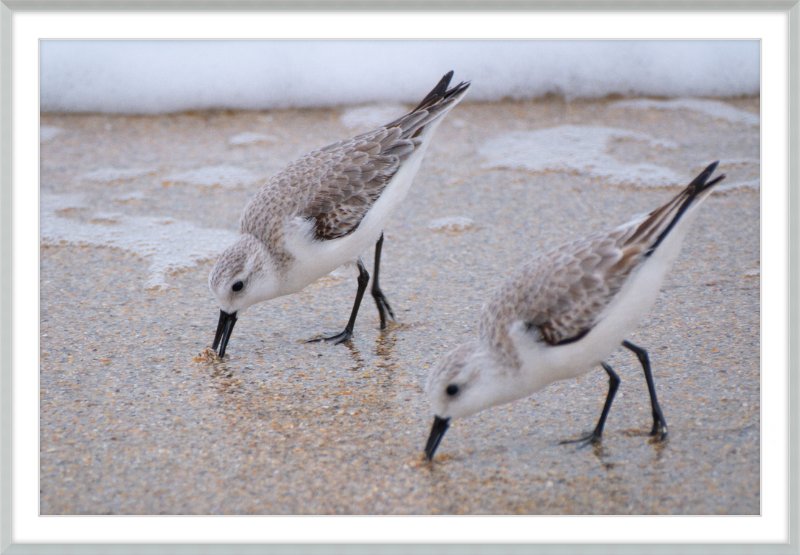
135	420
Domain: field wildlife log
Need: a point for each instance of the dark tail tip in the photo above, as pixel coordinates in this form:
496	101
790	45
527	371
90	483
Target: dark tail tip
686	197
699	184
437	93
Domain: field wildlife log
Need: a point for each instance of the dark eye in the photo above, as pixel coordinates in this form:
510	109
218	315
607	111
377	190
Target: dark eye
238	286
452	389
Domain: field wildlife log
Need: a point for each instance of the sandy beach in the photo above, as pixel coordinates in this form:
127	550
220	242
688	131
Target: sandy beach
135	210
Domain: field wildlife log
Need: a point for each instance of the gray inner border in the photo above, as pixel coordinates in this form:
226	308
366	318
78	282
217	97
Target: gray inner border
8	7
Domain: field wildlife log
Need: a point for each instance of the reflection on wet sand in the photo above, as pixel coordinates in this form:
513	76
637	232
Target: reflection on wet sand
130	424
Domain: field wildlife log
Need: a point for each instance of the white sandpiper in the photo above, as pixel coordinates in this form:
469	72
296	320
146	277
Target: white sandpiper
323	210
565	312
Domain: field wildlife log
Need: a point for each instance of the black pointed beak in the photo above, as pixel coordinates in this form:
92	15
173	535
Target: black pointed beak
224	330
437	433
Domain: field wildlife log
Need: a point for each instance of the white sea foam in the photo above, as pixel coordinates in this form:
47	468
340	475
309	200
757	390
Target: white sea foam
741	163
58	203
712	108
573	148
451	223
245	139
167	76
371	116
742	173
215	176
48	133
458	123
108	175
166	244
132	197
753	184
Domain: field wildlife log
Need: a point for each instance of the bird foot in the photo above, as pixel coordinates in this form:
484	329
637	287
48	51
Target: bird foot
659	432
591	439
384	308
346	335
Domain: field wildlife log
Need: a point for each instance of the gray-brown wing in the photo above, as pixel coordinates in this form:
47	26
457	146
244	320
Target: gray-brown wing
584	278
337	185
350	177
354	173
561	294
334	186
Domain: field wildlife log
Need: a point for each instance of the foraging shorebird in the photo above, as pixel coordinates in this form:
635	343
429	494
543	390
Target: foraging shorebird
323	210
565	312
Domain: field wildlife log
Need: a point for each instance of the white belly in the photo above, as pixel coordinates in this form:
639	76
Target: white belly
543	364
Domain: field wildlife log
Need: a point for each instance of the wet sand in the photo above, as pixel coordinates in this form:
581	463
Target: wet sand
132	424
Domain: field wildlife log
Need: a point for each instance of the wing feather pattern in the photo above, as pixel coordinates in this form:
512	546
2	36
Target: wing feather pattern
335	186
561	294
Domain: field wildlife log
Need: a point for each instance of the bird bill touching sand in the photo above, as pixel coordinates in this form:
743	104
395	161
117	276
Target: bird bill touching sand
565	312
324	210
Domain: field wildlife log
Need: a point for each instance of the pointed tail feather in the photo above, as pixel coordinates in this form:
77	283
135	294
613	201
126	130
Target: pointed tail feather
662	220
438	92
435	105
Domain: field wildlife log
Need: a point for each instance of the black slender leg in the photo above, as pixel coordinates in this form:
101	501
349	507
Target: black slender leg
380	300
613	384
363	279
659	424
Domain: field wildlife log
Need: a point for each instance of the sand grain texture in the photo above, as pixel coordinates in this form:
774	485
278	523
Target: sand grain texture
132	424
